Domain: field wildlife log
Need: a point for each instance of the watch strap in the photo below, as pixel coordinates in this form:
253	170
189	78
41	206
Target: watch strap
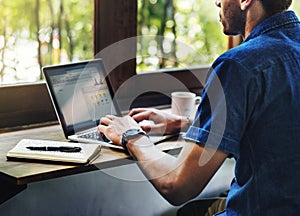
131	134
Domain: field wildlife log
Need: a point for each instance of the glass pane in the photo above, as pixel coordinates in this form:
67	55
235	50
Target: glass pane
178	33
34	33
296	7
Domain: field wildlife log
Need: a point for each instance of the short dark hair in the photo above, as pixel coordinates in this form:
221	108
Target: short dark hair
276	6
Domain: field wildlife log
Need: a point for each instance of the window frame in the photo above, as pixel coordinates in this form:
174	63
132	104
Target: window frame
125	21
29	105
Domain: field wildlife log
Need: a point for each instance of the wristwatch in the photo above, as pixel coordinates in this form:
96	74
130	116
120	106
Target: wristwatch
131	134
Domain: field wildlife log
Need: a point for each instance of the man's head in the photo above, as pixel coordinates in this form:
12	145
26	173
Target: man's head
241	16
275	6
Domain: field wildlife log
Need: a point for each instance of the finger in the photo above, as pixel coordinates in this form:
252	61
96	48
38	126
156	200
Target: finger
154	129
105	121
111	117
141	116
136	111
146	128
101	129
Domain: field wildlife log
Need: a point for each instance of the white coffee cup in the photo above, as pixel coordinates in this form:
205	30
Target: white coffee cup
184	103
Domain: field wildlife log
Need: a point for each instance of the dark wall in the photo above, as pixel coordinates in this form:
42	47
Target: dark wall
25	105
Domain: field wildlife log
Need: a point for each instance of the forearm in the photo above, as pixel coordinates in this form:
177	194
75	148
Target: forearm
152	161
157	166
179	124
177	179
165	171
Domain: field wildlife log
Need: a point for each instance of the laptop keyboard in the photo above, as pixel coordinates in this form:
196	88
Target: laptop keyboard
94	135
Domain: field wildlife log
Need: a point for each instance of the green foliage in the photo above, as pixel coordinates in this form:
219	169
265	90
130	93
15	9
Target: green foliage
187	25
61	31
190	30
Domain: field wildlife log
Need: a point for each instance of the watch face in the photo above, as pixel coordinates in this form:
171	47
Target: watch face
132	132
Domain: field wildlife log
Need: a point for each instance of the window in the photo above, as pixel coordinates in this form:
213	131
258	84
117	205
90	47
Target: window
115	25
296	7
114	20
29	104
34	33
55	31
184	33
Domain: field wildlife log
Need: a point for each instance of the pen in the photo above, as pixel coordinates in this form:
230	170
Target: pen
52	148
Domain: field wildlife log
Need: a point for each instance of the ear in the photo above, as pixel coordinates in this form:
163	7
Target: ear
245	4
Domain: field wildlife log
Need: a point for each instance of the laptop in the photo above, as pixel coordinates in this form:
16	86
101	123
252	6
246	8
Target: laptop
81	95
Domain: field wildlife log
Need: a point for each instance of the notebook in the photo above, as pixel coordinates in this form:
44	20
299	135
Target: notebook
83	154
81	95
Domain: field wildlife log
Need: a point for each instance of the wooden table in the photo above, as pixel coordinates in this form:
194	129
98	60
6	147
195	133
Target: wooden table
14	176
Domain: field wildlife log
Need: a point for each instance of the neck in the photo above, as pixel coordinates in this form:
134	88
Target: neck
255	15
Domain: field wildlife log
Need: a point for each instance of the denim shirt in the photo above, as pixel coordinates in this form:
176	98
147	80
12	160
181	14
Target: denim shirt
251	109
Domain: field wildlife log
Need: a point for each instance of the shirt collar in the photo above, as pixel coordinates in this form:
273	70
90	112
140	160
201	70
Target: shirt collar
274	22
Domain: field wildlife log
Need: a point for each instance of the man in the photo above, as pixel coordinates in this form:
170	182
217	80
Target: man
260	82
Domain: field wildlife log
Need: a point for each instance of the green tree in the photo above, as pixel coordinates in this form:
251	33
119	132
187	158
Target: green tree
50	31
192	23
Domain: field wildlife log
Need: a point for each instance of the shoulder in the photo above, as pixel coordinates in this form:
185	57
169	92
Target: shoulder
254	55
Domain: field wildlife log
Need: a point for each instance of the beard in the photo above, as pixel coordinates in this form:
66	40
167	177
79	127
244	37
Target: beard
233	20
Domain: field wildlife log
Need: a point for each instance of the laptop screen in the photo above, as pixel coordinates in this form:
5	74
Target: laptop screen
80	93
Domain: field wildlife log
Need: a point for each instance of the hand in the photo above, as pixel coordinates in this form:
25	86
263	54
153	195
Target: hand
164	123
113	127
